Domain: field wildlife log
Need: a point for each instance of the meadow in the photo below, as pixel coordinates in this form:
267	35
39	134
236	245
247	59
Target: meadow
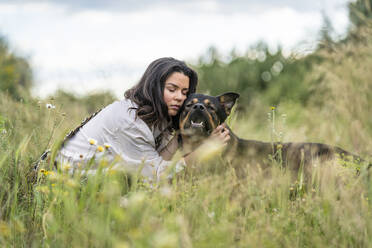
208	206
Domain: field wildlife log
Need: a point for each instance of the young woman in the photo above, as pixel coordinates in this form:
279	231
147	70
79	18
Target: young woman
138	130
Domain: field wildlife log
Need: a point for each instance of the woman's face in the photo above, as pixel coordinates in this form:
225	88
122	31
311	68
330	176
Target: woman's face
175	91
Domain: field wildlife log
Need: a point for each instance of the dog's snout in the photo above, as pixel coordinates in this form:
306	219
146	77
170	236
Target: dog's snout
199	106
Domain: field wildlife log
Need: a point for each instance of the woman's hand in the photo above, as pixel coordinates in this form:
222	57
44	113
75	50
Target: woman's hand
221	134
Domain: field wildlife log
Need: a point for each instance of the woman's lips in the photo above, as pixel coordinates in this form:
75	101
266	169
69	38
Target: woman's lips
175	107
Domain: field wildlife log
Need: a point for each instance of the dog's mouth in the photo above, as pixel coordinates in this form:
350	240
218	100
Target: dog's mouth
197	124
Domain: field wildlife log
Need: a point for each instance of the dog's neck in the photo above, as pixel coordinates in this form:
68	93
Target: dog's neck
189	143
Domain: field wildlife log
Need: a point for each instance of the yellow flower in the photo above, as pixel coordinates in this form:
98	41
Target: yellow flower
107	146
279	146
272	108
92	141
100	148
53	184
66	166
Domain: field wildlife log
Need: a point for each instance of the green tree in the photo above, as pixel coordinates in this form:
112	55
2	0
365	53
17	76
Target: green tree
360	11
259	74
15	73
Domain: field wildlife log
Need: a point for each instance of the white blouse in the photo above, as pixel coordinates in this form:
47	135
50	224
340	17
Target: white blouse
128	138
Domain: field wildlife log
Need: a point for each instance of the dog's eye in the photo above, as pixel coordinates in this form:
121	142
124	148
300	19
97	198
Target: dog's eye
188	105
211	107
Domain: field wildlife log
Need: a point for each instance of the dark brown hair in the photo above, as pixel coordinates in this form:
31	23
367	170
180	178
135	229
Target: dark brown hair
148	92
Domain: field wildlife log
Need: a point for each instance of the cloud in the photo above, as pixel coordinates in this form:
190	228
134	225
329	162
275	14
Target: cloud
223	6
95	48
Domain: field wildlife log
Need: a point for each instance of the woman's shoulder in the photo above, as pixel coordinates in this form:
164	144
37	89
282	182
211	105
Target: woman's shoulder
124	111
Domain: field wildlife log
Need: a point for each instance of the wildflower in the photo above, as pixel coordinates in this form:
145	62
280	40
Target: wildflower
81	156
92	141
66	166
42	171
272	108
71	183
107	146
279	146
123	202
100	148
4	229
50	106
211	215
53	184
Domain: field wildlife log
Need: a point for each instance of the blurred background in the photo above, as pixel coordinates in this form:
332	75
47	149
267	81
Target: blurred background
83	46
310	60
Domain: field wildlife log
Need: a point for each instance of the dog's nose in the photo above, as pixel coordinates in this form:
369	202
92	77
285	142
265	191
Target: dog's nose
199	106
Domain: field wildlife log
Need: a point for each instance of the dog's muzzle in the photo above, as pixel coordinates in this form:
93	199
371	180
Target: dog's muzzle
197	122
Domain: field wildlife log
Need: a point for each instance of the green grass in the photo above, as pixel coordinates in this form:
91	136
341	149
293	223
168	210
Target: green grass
209	206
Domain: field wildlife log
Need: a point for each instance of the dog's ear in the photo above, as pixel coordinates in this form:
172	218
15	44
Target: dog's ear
228	100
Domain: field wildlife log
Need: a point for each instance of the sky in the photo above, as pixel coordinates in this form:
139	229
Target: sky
87	46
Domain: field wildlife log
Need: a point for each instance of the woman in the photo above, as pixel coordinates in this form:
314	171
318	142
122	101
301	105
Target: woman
138	129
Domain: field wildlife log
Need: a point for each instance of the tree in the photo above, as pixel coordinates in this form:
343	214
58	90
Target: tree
15	73
360	11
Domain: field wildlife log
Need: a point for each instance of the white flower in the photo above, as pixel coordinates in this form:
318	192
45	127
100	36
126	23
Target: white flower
50	106
123	202
107	145
211	215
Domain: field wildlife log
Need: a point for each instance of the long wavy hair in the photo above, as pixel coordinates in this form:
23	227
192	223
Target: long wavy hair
148	92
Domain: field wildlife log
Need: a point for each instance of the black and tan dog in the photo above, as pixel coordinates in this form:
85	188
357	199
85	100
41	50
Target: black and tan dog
202	114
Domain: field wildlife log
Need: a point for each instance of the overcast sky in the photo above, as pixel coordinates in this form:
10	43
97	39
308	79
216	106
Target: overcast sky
87	45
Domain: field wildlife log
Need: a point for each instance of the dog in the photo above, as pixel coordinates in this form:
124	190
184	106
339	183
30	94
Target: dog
201	114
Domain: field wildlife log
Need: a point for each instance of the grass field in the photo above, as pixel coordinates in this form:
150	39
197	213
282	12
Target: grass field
210	206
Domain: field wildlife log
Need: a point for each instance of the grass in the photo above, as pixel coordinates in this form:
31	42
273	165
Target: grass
208	206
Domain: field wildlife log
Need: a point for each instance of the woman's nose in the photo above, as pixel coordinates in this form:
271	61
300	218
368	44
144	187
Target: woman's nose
180	96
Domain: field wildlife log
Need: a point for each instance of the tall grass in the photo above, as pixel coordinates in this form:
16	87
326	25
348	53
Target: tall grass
208	206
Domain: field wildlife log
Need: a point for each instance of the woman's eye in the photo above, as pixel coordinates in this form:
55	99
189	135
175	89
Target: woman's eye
172	90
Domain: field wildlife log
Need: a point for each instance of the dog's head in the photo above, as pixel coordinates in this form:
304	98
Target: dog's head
201	114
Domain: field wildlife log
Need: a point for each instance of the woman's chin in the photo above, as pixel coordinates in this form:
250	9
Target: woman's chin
172	112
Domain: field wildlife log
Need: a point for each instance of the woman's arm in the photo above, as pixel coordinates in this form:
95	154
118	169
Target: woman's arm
170	149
